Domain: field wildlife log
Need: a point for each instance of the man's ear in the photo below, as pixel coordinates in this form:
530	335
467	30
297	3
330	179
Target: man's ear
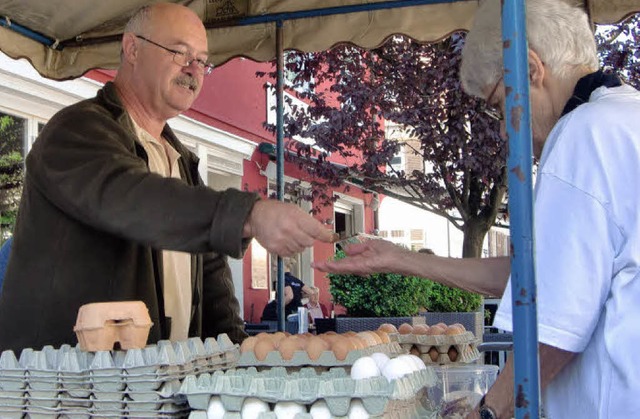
129	47
536	70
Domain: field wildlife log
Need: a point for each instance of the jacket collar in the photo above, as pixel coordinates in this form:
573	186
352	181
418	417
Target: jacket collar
109	98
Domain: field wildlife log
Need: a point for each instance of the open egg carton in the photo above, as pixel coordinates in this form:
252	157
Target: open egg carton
440	349
132	383
397	399
326	359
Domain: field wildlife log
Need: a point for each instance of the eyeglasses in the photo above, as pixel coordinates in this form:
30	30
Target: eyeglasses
489	110
182	58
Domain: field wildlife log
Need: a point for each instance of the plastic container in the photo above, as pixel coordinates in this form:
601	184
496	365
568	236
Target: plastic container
100	325
459	388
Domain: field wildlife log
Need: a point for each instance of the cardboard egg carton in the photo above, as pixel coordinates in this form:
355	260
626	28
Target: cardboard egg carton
335	386
139	382
467	353
326	358
432	340
465	344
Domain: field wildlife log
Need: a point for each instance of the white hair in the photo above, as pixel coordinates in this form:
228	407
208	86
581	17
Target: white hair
557	31
139	21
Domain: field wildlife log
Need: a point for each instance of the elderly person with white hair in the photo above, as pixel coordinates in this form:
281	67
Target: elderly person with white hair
587	223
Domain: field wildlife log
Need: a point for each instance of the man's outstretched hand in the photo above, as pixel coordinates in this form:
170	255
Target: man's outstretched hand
284	229
372	256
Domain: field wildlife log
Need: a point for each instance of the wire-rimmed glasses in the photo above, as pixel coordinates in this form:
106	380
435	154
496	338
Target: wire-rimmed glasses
183	59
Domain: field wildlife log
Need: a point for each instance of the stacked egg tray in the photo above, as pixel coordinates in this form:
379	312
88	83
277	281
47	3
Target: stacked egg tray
135	383
326	358
399	399
465	344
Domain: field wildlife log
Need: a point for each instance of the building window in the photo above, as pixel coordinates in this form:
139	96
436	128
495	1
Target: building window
397	234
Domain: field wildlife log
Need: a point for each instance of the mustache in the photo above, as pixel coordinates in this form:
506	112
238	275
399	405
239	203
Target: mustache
187	81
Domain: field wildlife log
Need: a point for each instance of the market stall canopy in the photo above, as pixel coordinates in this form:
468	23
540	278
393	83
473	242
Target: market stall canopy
65	38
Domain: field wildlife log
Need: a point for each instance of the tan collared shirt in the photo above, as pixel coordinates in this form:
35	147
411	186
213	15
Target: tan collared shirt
163	160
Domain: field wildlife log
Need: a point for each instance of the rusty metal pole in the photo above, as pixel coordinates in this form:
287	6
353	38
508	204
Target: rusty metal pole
280	159
523	283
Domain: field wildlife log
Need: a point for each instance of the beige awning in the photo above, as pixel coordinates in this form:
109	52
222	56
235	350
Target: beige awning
86	32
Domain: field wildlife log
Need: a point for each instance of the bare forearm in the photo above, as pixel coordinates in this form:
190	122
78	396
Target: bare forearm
500	397
484	276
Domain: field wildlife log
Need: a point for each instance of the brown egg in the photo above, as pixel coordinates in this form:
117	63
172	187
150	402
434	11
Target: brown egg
263	335
414	350
461	326
420	329
405	329
375	337
384	336
367	339
248	344
263	347
434	354
349	333
328	337
453	354
316	346
288	346
330	332
453	330
436	330
341	347
388	327
277	337
357	342
443	325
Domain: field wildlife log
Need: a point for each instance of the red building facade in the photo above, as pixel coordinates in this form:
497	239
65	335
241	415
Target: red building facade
236	103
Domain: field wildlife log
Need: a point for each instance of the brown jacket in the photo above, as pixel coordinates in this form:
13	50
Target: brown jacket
91	224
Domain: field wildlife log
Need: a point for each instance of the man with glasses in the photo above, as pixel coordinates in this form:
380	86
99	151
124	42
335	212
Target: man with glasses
587	224
113	207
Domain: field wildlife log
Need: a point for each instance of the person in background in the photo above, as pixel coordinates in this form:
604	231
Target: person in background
587	223
317	310
299	288
114	208
270	311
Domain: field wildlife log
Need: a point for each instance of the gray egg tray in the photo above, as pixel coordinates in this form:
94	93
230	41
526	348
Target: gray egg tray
326	358
134	383
465	344
305	386
433	340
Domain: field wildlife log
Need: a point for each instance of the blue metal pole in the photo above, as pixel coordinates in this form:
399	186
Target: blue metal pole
280	157
301	14
523	284
24	31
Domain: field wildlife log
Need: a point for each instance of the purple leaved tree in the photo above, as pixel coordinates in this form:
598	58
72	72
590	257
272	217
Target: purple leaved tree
458	168
618	46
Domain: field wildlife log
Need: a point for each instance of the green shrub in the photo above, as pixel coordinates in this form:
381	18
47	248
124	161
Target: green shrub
442	298
395	295
378	295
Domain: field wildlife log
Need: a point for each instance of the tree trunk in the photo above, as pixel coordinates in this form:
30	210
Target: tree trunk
474	232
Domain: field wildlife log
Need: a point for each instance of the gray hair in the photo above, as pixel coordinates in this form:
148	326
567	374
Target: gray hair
557	31
139	22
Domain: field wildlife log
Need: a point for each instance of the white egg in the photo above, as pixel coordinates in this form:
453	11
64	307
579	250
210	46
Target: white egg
215	410
412	360
320	410
364	367
288	410
397	368
380	358
252	407
418	362
357	410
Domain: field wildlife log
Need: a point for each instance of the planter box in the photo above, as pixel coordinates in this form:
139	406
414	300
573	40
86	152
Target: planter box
473	321
360	324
